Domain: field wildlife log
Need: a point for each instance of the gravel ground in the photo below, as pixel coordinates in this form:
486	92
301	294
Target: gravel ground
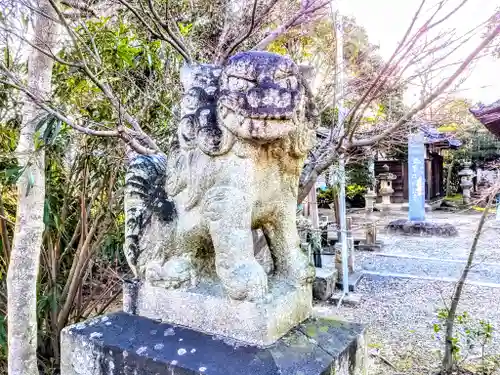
400	315
447	248
439	268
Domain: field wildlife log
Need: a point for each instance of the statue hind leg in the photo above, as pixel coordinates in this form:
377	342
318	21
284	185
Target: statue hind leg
289	260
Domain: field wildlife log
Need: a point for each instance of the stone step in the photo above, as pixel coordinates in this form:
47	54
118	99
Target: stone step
427	267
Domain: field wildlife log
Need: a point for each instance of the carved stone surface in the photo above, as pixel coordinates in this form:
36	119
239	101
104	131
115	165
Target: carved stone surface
205	309
370	198
245	130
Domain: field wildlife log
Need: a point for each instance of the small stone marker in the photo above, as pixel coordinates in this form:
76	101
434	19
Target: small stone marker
370	242
324	283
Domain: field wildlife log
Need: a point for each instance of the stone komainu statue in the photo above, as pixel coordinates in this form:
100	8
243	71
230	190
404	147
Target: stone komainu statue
245	131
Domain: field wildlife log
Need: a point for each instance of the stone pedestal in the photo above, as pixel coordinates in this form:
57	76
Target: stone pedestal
121	343
466	175
205	308
421	228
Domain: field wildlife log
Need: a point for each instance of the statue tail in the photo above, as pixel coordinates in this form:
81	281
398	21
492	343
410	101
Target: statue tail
146	202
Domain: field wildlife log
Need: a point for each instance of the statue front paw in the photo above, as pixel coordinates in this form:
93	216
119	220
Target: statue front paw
245	281
298	270
172	274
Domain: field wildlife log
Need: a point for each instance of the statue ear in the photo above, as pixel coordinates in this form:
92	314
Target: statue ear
187	75
307	72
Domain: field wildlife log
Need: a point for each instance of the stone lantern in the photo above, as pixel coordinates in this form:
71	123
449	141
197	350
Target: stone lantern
386	190
466	175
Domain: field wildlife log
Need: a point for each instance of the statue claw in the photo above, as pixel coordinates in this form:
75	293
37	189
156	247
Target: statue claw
172	274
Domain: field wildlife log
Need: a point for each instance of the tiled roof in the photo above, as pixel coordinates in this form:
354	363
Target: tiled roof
431	134
489	116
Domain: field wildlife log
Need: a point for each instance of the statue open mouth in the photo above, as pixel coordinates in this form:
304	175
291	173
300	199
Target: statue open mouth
262	113
259	125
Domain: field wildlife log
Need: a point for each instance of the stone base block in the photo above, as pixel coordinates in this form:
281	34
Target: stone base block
363	246
421	228
353	279
324	283
121	344
206	308
350	299
406	207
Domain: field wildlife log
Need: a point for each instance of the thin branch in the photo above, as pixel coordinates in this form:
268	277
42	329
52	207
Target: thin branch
39	102
367	142
235	45
175	42
80	7
107	91
448	15
457	293
387	64
142	20
45	52
276	33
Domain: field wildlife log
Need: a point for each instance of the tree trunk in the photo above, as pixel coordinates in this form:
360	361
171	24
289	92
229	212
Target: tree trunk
448	362
24	260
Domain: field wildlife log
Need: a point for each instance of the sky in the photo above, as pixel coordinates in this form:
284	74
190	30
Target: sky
387	20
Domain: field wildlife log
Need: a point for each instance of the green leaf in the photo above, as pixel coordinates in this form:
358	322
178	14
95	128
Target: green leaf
48	129
38	143
185	28
41	120
46	210
13	174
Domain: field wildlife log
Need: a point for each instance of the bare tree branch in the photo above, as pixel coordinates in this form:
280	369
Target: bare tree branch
366	142
235	45
175	42
306	9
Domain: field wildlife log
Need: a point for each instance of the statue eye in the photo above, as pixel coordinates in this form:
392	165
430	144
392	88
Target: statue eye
240	84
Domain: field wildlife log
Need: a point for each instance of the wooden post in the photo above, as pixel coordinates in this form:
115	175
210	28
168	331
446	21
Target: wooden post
350	244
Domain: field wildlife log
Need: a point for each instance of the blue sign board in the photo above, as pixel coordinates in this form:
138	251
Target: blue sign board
416	177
